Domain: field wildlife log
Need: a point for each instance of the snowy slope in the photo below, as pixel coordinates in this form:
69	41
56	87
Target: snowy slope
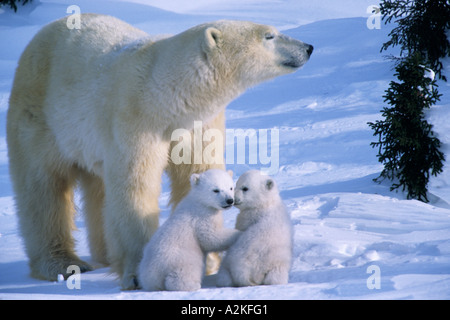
350	233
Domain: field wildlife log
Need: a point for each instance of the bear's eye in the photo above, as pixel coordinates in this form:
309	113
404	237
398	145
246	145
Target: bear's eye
216	190
269	36
244	189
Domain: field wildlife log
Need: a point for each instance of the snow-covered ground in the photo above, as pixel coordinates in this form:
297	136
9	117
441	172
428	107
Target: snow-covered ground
354	239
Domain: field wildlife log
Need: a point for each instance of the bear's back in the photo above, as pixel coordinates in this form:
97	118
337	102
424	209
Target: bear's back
96	32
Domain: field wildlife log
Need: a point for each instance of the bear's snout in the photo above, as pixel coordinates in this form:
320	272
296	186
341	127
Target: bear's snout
295	53
310	50
228	203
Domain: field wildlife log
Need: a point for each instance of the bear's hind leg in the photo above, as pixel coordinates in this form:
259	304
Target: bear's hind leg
179	281
277	275
45	209
223	278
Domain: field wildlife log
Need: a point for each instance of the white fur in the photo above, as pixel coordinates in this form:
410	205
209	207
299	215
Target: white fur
263	252
99	105
174	259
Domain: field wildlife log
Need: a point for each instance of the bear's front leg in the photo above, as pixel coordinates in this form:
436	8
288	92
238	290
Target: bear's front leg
180	174
132	188
215	238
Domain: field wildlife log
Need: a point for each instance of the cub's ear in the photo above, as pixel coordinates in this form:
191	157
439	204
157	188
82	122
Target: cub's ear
195	178
230	172
213	39
270	184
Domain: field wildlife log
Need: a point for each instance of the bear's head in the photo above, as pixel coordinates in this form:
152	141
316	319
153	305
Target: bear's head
199	71
251	52
213	188
255	190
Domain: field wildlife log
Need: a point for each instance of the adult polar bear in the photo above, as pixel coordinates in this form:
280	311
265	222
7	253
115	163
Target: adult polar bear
98	105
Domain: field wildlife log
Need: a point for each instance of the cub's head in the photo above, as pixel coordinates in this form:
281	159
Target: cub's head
252	52
255	190
213	188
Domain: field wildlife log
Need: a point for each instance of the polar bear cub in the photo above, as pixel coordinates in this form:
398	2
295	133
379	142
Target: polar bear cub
174	258
263	252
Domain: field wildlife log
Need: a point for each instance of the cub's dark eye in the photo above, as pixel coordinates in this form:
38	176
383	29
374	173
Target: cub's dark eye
244	189
216	190
269	36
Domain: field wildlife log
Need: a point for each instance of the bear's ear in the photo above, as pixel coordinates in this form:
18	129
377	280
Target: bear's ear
269	184
195	178
213	39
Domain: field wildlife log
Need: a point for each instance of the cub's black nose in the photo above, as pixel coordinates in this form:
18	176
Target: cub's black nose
230	201
310	50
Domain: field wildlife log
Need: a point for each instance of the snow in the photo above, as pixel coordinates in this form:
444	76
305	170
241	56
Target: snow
354	239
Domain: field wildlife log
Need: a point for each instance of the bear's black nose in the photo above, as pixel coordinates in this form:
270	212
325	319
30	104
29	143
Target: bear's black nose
310	50
230	201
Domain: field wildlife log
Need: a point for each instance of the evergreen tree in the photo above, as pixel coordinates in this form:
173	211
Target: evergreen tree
421	27
13	3
407	145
